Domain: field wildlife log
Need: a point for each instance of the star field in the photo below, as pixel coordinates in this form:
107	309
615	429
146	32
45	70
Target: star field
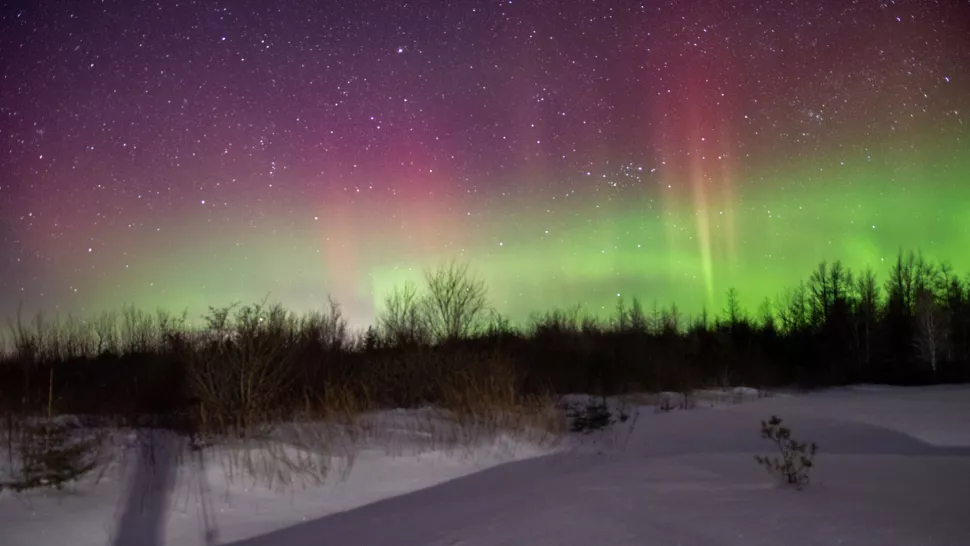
186	154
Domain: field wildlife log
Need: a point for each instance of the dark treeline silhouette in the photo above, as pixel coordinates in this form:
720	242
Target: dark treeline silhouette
442	344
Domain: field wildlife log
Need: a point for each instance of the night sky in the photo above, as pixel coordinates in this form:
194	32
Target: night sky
187	154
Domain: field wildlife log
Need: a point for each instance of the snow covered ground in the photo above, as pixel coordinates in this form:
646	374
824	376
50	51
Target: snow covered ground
893	468
157	490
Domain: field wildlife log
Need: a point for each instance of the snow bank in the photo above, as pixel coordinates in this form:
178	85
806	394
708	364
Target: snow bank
893	468
159	490
689	478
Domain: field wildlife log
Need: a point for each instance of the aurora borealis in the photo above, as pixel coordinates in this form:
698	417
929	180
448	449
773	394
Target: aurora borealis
187	154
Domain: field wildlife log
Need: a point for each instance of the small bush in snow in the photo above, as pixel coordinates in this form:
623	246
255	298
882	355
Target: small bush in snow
796	459
50	455
594	415
666	403
669	401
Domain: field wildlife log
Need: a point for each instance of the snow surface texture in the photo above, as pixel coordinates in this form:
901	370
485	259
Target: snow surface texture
158	490
893	468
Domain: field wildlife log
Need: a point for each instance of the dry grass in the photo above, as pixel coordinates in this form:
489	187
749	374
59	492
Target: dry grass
483	401
302	460
476	403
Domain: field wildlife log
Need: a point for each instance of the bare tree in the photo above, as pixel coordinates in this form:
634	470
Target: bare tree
498	324
106	331
867	312
334	326
925	277
402	322
138	332
76	337
909	277
931	330
821	289
792	309
23	342
171	328
621	316
456	304
945	279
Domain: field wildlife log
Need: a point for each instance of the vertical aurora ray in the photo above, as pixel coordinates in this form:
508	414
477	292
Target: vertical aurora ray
701	213
342	234
690	130
728	203
698	180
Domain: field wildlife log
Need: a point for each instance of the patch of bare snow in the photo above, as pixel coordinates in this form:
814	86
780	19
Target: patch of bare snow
893	468
689	478
160	491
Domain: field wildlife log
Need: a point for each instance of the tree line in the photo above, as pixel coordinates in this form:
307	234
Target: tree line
436	338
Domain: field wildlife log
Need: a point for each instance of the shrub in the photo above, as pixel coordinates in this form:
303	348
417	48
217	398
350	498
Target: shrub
797	458
241	384
665	403
594	415
50	455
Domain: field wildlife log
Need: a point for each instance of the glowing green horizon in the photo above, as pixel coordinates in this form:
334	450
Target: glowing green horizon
546	254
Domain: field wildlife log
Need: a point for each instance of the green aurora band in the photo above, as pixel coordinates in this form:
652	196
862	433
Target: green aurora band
535	257
781	235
